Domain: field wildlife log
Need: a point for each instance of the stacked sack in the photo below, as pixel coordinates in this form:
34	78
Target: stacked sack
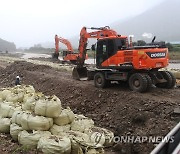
39	121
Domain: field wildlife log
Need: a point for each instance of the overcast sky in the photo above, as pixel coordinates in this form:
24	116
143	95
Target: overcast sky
28	22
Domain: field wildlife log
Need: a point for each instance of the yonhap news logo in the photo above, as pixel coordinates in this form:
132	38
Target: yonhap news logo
100	138
142	139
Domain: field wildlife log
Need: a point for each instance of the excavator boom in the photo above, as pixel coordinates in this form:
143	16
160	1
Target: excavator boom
64	41
68	55
101	32
80	71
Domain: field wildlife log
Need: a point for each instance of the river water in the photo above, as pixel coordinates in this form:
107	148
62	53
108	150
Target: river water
88	61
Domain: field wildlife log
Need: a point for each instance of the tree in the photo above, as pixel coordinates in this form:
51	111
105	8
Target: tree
141	43
169	46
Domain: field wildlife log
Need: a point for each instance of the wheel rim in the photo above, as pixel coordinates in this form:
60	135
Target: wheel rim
99	80
136	83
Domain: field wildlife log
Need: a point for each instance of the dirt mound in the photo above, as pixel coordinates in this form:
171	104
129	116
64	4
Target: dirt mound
117	108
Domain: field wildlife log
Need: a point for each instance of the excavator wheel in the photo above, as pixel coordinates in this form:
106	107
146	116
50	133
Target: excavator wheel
73	62
55	55
138	82
171	80
100	81
149	80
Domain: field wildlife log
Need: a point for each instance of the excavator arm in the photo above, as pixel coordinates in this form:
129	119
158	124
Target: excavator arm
101	32
69	54
80	71
64	41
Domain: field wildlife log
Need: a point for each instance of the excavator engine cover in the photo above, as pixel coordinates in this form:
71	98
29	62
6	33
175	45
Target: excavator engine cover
79	73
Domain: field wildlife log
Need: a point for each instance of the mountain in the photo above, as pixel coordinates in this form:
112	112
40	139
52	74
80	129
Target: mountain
7	46
162	21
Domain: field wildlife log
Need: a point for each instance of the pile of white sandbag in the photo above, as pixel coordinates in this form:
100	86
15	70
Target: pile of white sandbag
39	121
175	72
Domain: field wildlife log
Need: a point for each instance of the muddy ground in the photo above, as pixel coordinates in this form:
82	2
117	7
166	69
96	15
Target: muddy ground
117	108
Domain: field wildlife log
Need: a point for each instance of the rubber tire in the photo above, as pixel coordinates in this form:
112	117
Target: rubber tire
73	62
142	80
104	83
173	80
149	80
55	55
170	80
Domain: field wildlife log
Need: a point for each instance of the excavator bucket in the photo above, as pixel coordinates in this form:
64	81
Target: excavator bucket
79	73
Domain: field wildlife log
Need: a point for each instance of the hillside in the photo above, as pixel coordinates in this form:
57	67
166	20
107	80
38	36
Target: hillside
163	21
7	46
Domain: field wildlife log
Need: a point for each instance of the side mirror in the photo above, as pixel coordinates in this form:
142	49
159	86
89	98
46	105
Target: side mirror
93	48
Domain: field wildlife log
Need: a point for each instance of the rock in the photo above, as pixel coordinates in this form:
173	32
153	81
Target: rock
177	110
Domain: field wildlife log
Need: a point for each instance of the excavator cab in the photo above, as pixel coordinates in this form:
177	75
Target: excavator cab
108	47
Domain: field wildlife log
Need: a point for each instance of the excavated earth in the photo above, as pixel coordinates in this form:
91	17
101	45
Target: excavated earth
125	112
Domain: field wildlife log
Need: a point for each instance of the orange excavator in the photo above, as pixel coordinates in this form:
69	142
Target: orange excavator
117	60
69	54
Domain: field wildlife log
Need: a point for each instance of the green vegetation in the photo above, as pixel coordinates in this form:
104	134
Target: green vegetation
175	48
91	53
174	55
40	50
174	51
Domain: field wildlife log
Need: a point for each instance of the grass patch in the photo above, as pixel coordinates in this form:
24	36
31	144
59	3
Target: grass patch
174	55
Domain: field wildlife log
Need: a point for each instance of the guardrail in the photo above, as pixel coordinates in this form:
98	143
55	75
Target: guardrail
170	147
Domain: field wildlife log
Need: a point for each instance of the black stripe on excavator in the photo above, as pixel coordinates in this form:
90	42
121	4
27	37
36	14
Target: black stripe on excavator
156	54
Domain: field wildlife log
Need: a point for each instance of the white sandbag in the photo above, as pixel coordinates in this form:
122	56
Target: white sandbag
109	135
30	100
100	136
75	147
1	100
79	117
78	136
95	151
24	88
54	144
60	130
32	122
81	124
7	109
14	131
4	93
5	125
49	107
80	142
176	74
66	117
15	96
29	89
16	117
31	139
